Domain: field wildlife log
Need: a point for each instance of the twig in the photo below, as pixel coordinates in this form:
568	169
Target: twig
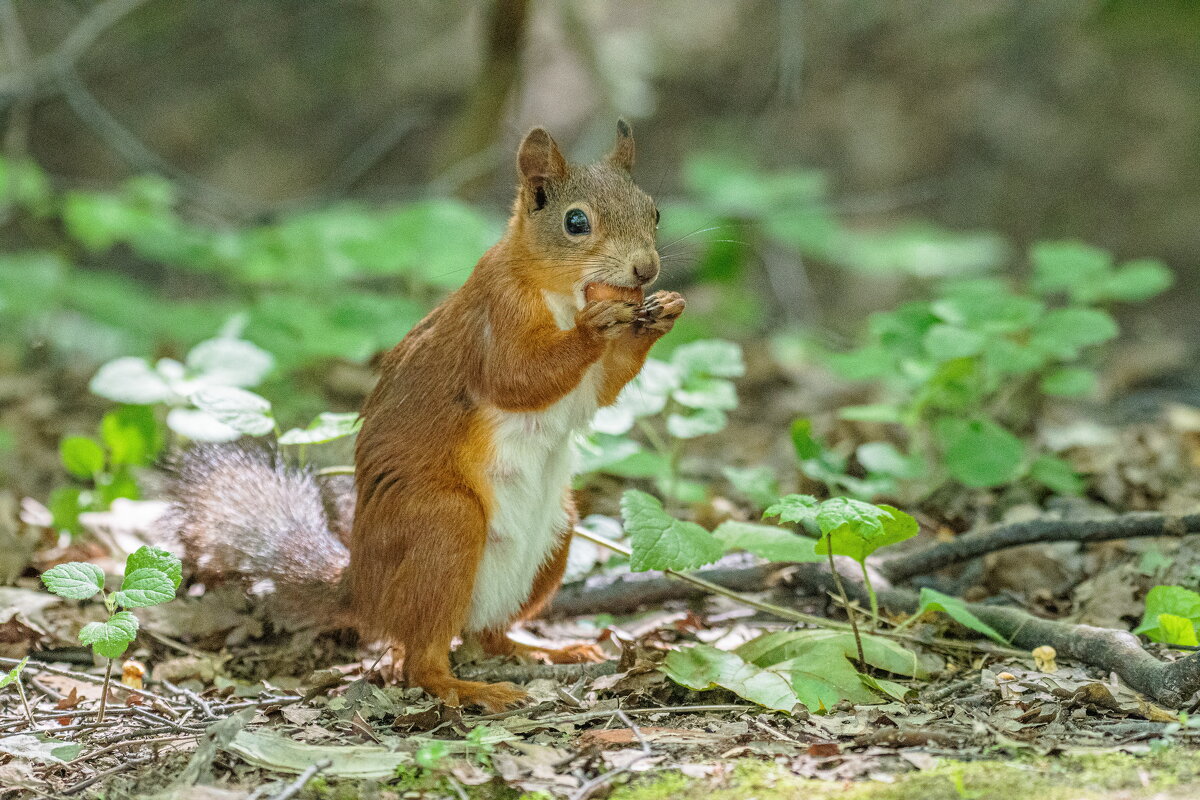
713	588
99	776
39	76
131	743
40	666
302	779
589	788
974	545
205	708
626	593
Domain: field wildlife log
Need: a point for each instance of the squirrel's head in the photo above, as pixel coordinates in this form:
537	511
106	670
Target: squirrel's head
586	223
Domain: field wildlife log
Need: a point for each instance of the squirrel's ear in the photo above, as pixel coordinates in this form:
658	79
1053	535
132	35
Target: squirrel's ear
539	159
622	152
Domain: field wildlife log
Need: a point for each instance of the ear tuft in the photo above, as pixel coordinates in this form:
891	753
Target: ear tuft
539	159
623	151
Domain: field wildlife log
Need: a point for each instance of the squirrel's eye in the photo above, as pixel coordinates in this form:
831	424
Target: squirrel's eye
657	216
576	222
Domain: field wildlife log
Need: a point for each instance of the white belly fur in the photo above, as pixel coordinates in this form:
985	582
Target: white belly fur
531	469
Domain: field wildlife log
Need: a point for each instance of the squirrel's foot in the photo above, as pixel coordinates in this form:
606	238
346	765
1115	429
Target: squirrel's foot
495	697
659	312
606	318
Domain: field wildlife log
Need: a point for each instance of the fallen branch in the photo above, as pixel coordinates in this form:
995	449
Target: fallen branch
1171	683
627	592
974	545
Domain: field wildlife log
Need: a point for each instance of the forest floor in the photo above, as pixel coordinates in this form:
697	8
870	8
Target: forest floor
235	707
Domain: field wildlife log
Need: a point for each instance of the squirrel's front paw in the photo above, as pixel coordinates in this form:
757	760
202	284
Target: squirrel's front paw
606	318
659	312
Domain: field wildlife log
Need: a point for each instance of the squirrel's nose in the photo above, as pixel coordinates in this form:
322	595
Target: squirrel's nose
646	271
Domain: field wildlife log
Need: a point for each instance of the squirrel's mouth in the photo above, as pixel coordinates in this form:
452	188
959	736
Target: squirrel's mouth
608	291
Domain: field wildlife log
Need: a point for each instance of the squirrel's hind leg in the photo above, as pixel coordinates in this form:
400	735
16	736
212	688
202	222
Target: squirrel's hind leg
420	599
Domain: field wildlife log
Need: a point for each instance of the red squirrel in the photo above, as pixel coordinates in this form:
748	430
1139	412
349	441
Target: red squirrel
463	509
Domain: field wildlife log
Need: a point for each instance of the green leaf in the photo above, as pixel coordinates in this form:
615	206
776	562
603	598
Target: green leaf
111	639
77	580
1068	266
702	667
1064	332
800	508
709	357
767	541
244	411
1057	475
617	455
149	557
117	484
758	484
83	457
824	677
662	542
956	608
64	504
779	646
1070	382
885	459
147	586
698	423
1137	280
131	434
946	342
1174	630
326	427
1169	601
13	673
857	529
979	452
986	305
805	444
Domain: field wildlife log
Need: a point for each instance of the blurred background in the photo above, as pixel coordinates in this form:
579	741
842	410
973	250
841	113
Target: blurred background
314	176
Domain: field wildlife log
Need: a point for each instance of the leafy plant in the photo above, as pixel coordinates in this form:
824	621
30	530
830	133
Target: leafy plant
669	402
847	527
808	667
886	468
14	677
1171	616
343	281
152	576
966	369
130	437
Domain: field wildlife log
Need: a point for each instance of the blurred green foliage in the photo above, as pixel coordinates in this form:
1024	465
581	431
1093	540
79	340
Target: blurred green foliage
124	272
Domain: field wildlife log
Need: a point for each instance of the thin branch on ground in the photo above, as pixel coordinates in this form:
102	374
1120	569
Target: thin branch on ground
974	545
1169	682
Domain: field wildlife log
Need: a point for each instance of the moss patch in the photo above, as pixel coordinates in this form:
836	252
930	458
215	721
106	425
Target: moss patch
1174	773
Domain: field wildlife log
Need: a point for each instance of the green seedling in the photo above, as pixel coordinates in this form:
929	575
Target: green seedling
152	576
130	437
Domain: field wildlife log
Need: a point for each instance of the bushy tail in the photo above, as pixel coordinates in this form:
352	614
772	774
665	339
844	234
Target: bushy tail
241	514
